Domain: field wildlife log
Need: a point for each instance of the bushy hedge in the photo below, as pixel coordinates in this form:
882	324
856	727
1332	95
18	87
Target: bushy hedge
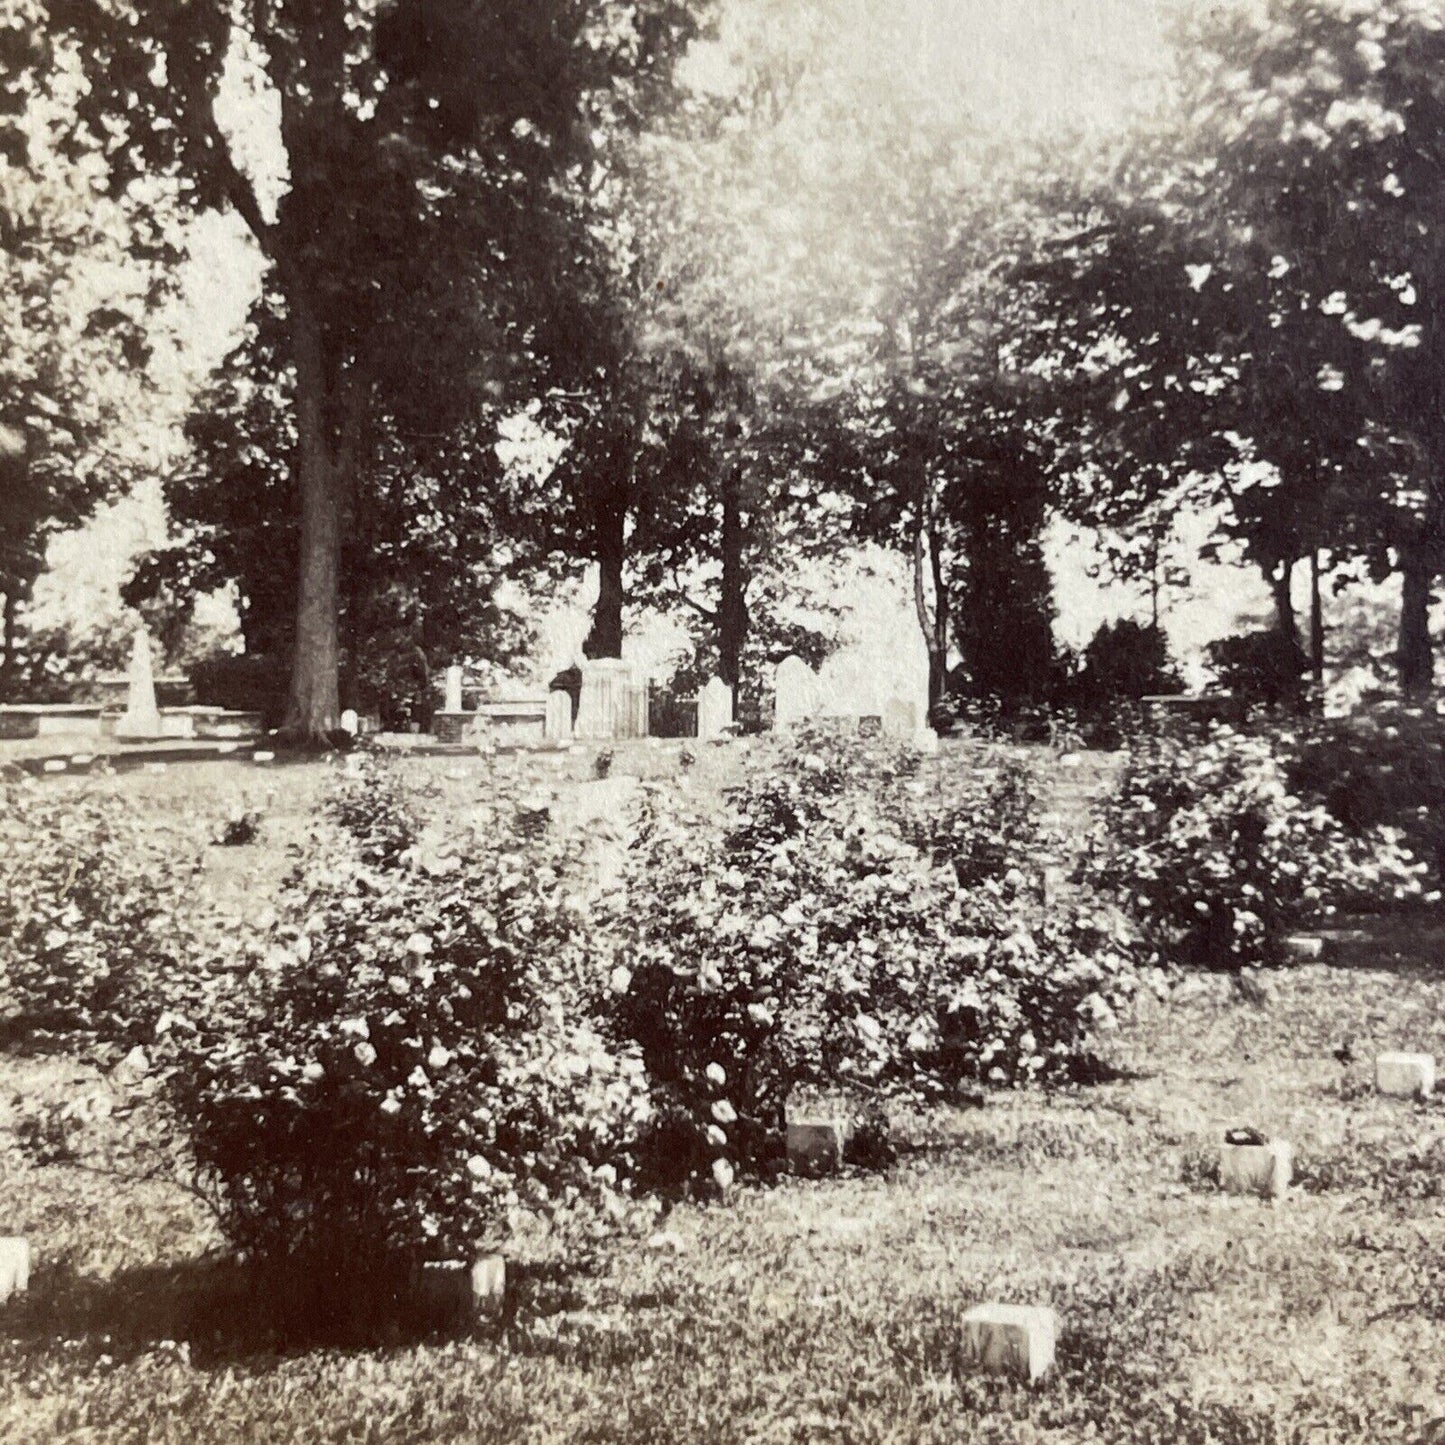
98	931
1209	849
419	1055
805	942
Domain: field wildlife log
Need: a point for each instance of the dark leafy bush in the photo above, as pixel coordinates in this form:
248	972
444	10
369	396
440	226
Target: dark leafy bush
1378	767
804	943
1205	845
1266	669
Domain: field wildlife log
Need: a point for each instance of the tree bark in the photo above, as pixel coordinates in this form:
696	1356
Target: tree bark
1416	657
1280	580
732	614
313	709
934	628
1317	621
9	631
609	552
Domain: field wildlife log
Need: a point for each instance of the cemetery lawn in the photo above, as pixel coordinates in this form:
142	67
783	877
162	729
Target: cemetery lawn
829	1310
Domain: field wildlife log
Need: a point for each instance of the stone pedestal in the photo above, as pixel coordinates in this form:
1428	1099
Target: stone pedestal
816	1145
450	727
1406	1076
1262	1169
14	1266
1016	1340
614	702
142	718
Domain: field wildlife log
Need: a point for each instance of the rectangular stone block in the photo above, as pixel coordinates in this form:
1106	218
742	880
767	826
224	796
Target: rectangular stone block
1407	1076
450	727
1304	947
14	1266
458	1291
1262	1169
815	1146
1016	1340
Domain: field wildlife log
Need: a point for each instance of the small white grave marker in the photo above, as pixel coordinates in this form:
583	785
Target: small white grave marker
1304	947
14	1266
1014	1340
456	1289
263	757
55	765
1262	1169
1407	1076
350	722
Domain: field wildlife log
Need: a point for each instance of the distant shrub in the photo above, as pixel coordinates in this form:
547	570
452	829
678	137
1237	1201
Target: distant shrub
804	943
95	918
238	829
1206	846
420	1055
1262	668
1382	766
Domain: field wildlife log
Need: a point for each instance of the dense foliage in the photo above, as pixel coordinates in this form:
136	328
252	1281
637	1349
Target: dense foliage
415	1056
1207	847
807	942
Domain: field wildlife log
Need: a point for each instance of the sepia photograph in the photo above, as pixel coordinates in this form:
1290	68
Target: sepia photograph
719	722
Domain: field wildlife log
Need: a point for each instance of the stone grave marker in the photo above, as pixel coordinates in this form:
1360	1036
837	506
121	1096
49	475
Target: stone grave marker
558	726
1016	1340
453	702
795	693
900	718
816	1143
142	718
1405	1076
1263	1167
460	1292
14	1266
350	722
714	710
1304	947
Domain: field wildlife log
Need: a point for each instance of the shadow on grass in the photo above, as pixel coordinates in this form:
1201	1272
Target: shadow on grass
221	1312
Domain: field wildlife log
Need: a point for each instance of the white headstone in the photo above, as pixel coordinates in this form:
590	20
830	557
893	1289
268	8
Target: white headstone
350	722
558	727
714	710
142	718
14	1266
900	718
1409	1076
453	701
795	692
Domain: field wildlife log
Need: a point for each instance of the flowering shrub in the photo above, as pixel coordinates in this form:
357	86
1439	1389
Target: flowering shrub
94	931
1207	847
804	943
419	1054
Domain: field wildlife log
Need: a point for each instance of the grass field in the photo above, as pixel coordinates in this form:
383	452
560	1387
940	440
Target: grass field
828	1310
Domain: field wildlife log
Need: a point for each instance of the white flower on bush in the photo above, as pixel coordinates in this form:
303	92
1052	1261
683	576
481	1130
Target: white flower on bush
724	1112
717	1075
313	1073
417	1079
438	1058
390	1105
722	1173
869	1027
365	1054
420	944
398	985
717	1137
621	979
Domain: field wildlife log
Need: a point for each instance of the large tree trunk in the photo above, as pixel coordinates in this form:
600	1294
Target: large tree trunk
1280	582
1317	621
1416	658
9	640
609	552
313	709
732	617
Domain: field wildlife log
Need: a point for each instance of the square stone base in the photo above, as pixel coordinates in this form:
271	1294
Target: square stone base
1405	1076
815	1146
1016	1340
1262	1169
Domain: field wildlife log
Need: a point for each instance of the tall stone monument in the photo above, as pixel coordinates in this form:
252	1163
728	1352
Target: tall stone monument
613	703
558	726
453	701
142	718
